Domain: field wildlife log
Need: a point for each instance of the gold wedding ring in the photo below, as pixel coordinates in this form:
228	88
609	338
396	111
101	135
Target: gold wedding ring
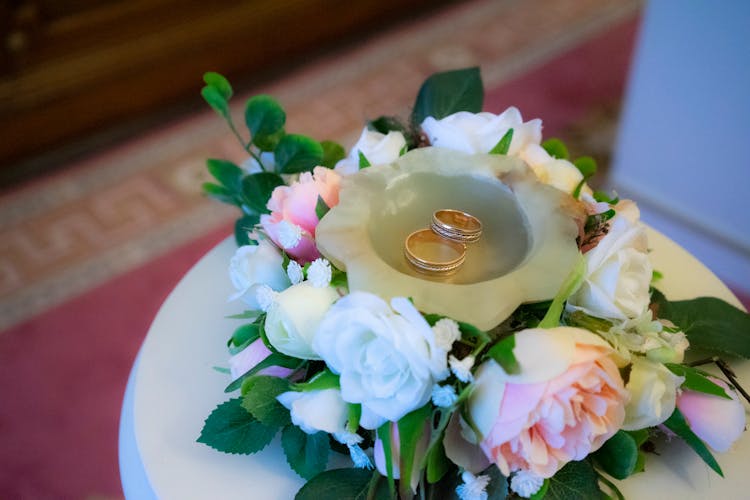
430	253
456	225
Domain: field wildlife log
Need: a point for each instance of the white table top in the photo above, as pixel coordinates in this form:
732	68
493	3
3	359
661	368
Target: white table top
174	387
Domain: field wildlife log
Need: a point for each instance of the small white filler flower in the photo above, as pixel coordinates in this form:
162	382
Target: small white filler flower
461	368
295	273
474	487
525	483
289	234
444	395
446	332
319	273
265	296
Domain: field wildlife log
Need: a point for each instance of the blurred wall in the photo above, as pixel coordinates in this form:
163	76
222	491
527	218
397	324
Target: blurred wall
682	150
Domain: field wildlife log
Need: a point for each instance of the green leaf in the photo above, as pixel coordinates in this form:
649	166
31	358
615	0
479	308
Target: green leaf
298	153
220	83
354	414
697	381
260	399
618	457
249	314
332	153
307	454
343	484
411	427
273	359
257	189
242	227
322	380
219	193
445	93
385	124
363	161
227	173
541	492
556	148
612	199
502	353
244	334
574	481
503	145
232	429
498	487
216	100
708	322
384	434
569	286
586	165
321	208
264	117
677	424
438	463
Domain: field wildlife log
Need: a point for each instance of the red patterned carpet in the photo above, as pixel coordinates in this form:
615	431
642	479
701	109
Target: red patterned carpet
73	321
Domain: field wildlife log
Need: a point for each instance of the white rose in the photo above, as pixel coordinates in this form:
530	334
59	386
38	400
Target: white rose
253	266
294	317
480	132
313	411
387	358
378	148
618	273
653	393
558	173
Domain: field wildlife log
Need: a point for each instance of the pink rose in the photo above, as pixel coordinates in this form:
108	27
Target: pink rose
567	400
292	222
719	422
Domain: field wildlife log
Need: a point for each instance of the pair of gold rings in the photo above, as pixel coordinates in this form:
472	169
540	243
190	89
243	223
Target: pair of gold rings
441	248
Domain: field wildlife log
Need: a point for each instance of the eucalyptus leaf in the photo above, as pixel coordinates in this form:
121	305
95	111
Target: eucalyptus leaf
297	153
696	381
260	399
677	424
227	173
216	100
344	484
232	429
556	148
618	456
333	152
264	116
576	480
708	322
306	454
445	93
257	189
218	82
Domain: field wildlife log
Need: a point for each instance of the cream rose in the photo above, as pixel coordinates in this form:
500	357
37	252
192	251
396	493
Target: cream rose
386	357
294	316
567	400
253	266
653	393
618	273
376	147
313	411
480	132
556	172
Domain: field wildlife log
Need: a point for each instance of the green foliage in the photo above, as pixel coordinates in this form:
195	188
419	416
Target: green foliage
556	148
219	193
242	227
232	429
576	480
265	119
332	153
384	434
273	359
502	353
618	457
411	428
570	285
297	153
321	209
498	487
216	100
363	161
227	173
307	454
677	424
245	334
260	399
709	323
586	165
438	463
503	145
697	381
220	83
612	199
385	124
322	380
257	189
445	93
344	484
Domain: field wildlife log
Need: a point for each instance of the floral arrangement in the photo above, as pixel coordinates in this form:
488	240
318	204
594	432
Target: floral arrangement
548	364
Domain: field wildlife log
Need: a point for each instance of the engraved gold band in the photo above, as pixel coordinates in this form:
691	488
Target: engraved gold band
430	253
456	225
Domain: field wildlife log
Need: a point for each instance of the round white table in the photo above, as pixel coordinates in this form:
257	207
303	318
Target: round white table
173	387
